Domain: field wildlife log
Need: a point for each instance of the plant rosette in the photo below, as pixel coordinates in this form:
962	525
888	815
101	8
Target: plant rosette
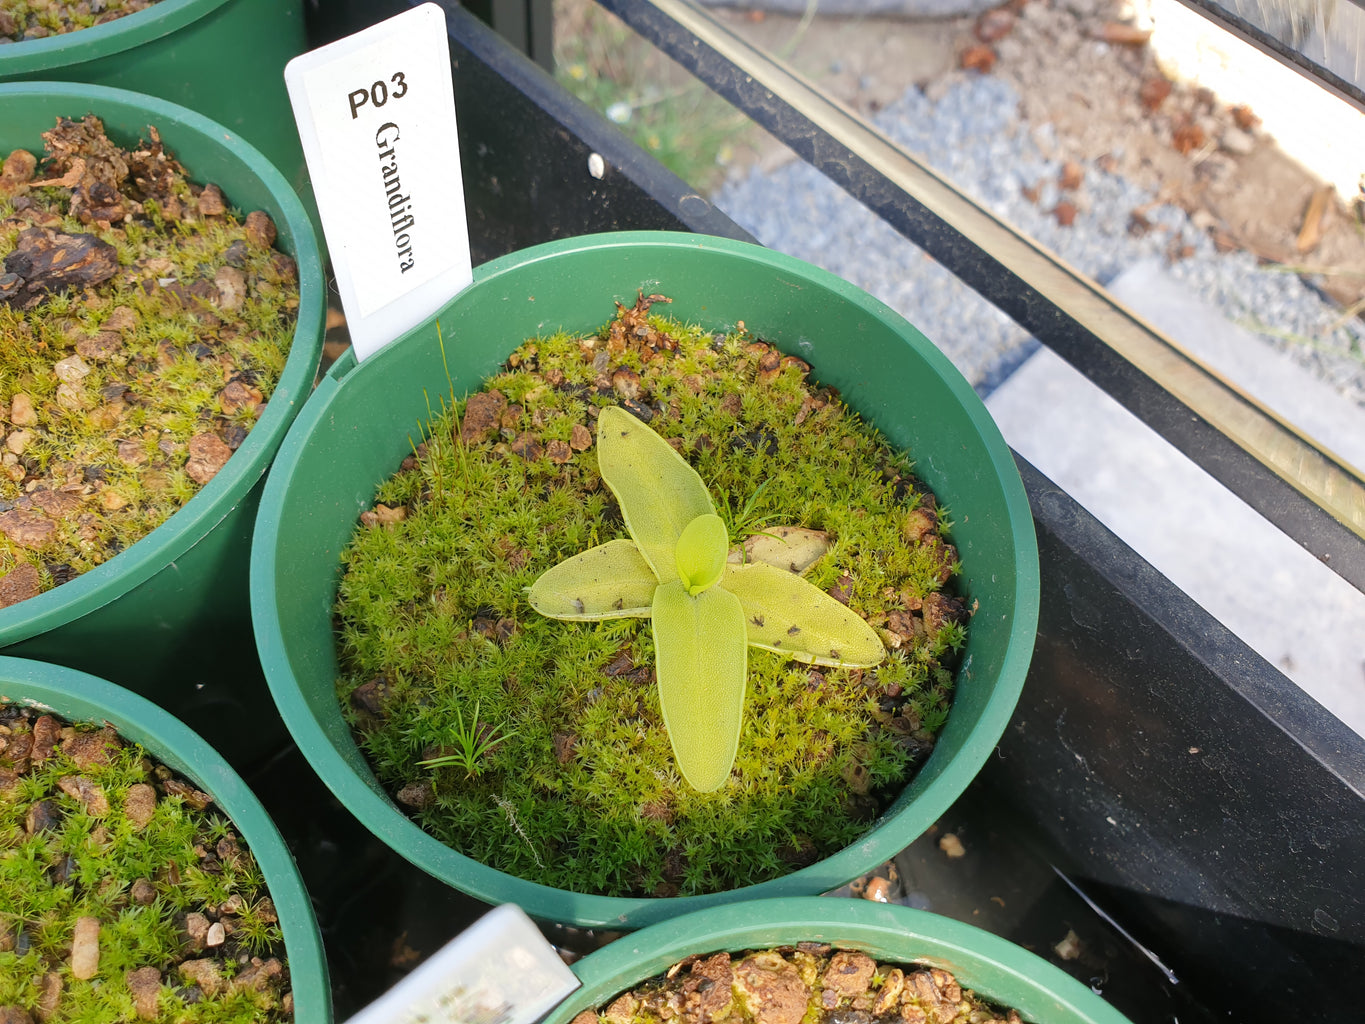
890	377
712	705
784	961
139	877
150	332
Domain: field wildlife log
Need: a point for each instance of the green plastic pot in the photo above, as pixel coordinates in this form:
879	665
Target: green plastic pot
169	616
223	59
79	697
355	430
987	964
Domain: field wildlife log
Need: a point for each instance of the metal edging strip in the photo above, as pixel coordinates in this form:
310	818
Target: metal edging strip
1312	495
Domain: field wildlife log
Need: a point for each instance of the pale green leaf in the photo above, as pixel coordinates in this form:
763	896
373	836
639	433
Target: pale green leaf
786	614
787	547
659	493
610	581
701	553
700	657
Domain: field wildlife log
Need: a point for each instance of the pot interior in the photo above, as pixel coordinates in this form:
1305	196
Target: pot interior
364	419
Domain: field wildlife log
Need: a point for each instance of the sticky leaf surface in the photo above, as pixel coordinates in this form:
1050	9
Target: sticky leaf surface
700	651
784	613
610	581
659	493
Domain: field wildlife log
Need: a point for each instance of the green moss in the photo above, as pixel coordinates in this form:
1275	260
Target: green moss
34	19
94	861
583	794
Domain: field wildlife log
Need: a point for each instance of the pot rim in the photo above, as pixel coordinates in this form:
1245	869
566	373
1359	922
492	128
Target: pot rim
33	56
381	815
197	517
980	960
78	696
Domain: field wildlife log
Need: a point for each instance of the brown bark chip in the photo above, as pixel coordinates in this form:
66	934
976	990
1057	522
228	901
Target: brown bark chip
18	168
14	1015
19	584
208	454
27	529
49	261
260	229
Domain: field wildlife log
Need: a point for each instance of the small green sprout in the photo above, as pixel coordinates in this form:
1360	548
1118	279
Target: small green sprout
471	744
705	611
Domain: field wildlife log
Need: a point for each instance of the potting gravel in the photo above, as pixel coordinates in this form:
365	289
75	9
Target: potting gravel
973	135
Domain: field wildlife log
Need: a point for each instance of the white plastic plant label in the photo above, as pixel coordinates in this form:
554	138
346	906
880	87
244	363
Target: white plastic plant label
376	115
500	970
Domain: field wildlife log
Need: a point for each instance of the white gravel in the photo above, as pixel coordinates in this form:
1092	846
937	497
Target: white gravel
973	135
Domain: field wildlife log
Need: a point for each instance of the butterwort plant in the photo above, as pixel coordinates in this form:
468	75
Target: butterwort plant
705	611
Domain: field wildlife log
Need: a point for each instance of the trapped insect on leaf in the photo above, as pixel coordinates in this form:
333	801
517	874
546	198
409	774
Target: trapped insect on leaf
704	611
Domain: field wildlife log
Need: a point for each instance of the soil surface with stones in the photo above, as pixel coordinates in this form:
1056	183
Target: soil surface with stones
121	891
806	984
143	326
37	19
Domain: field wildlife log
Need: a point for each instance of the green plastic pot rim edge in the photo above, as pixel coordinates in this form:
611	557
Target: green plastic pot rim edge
617	965
198	516
52	687
383	818
32	56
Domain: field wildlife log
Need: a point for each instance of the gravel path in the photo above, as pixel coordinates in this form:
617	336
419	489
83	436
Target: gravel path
972	134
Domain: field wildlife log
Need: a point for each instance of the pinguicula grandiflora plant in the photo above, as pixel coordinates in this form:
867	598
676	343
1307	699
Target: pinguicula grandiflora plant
544	747
704	611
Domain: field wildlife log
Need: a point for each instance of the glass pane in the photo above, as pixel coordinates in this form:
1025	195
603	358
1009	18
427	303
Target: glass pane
1139	176
1129	138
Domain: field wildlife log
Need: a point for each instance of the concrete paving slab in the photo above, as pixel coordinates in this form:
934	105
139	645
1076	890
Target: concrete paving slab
1243	359
1283	603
